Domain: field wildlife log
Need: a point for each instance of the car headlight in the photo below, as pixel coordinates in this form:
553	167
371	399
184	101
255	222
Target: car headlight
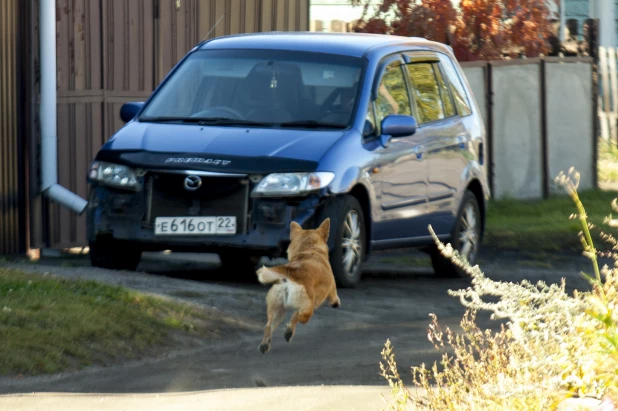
292	184
114	175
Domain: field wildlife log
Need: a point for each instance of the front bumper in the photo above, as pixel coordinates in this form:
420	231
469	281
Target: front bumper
125	216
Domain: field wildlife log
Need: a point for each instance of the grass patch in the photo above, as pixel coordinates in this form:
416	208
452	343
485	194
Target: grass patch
544	226
49	325
608	162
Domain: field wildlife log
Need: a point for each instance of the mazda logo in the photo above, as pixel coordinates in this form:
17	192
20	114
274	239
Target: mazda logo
192	183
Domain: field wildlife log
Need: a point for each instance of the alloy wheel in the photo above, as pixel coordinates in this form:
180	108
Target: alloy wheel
352	247
469	233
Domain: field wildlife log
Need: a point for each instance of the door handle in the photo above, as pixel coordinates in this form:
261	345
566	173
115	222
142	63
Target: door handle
461	141
419	150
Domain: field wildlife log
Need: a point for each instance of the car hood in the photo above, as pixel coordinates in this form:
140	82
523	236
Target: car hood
224	149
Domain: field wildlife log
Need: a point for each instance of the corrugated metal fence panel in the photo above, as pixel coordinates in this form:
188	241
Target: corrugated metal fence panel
176	32
80	109
12	231
284	15
128	57
183	24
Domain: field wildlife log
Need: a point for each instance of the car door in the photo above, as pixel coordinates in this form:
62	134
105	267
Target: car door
443	136
403	187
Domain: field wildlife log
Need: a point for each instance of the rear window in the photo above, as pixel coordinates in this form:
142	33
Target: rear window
459	95
426	92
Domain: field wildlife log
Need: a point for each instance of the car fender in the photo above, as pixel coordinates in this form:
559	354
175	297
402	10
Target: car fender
350	178
474	171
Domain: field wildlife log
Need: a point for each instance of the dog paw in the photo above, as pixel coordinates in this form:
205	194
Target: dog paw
288	334
264	347
336	304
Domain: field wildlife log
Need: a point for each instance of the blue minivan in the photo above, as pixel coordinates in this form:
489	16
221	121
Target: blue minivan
248	133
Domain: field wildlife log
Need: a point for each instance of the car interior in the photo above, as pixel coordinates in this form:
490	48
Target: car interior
274	93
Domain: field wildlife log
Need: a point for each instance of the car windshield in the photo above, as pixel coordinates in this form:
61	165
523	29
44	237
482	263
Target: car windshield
262	88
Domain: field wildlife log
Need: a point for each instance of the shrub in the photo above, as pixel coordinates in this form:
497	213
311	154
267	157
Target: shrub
552	346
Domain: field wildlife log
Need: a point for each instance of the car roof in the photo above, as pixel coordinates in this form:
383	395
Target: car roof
351	44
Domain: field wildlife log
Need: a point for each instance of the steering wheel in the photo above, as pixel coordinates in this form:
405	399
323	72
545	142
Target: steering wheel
212	112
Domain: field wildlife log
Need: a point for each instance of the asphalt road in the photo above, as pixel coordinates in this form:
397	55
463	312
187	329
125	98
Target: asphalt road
337	347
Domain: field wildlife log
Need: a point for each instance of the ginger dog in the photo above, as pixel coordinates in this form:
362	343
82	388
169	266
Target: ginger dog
303	284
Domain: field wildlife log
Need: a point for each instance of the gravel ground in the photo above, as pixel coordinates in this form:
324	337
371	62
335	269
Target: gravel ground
337	347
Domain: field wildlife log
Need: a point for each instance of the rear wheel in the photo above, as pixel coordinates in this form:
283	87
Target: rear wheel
465	238
114	255
346	239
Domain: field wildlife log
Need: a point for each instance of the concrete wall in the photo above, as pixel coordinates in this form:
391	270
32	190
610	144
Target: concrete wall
569	120
517	145
537	128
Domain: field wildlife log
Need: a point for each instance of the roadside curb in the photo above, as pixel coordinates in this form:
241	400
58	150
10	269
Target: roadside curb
271	398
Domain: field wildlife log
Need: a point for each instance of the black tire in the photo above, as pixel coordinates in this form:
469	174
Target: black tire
114	255
339	210
444	267
239	265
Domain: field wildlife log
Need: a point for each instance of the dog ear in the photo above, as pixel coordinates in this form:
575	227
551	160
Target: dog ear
324	229
295	228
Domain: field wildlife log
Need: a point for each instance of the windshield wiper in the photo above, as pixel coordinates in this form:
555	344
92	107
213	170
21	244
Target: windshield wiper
312	124
232	122
206	120
162	119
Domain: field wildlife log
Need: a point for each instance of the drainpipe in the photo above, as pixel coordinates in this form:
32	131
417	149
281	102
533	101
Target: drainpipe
562	34
49	139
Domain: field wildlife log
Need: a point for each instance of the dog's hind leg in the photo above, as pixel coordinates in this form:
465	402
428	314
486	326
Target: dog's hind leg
302	316
275	300
333	298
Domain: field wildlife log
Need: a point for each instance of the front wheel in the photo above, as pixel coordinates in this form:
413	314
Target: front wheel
114	255
465	238
346	239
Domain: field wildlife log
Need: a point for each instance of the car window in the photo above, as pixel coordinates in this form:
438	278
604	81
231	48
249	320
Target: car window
268	87
459	94
392	94
370	123
445	94
426	92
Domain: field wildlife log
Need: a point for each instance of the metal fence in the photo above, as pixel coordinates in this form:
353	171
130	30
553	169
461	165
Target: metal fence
114	51
12	184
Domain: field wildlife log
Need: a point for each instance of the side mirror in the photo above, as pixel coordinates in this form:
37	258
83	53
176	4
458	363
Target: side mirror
129	110
397	125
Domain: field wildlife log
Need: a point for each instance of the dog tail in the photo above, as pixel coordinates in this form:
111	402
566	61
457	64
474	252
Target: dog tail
270	275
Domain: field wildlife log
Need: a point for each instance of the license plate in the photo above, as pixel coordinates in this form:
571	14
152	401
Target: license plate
195	225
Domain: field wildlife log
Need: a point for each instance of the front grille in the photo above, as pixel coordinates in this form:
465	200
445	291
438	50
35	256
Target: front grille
217	196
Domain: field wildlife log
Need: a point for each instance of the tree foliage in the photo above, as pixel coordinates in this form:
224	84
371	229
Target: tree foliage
479	30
